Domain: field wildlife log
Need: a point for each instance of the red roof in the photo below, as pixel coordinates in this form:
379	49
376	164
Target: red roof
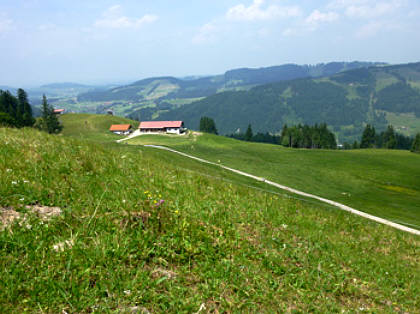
58	110
160	124
120	127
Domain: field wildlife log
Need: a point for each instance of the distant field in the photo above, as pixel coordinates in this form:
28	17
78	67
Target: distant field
404	123
384	183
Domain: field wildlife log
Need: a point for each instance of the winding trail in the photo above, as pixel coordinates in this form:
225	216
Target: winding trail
286	188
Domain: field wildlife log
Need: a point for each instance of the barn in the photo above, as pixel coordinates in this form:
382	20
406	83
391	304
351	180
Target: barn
171	127
121	129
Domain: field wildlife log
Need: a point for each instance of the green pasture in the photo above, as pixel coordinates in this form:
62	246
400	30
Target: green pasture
385	183
147	230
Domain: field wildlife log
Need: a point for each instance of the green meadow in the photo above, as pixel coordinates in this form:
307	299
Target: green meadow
93	127
385	183
147	230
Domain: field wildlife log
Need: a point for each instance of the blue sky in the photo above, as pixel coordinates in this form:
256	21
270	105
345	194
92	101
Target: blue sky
92	41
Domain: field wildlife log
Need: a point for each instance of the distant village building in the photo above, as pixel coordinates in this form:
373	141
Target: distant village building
59	111
171	127
110	112
121	129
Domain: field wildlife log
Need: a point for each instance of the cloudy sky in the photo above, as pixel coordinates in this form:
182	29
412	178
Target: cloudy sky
97	41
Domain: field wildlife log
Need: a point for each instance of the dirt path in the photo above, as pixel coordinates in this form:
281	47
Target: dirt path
286	188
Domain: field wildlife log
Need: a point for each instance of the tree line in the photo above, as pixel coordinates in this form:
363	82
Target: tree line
386	139
299	136
319	136
16	111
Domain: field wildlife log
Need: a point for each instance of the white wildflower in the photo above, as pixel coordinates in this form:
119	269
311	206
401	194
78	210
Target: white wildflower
14	182
127	292
8	170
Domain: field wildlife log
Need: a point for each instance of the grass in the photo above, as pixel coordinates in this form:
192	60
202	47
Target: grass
212	242
93	127
380	182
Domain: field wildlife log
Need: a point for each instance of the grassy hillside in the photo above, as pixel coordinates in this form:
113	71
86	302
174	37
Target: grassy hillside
384	183
92	127
345	101
211	242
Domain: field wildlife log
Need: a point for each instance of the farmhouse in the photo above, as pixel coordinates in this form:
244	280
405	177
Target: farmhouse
172	127
58	111
121	129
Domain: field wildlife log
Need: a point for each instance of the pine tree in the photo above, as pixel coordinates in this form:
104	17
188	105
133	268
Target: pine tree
416	144
24	108
388	138
208	125
50	121
248	133
368	137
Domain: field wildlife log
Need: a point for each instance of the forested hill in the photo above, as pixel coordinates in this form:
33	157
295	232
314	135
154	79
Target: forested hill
345	101
164	88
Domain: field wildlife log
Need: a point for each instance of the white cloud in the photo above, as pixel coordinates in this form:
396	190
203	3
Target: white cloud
369	30
319	17
113	18
256	12
366	8
47	27
206	34
6	24
378	9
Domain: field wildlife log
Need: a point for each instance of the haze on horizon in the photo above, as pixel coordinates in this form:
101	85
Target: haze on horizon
108	41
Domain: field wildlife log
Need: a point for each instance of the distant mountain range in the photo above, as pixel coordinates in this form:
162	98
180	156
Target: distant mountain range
345	101
345	95
160	89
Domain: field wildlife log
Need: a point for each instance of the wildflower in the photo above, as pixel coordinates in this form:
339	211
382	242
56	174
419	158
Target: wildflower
22	199
123	201
25	181
177	212
8	170
127	292
14	182
158	204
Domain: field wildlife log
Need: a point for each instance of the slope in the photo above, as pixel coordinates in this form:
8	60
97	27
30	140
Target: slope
210	242
92	126
345	101
384	183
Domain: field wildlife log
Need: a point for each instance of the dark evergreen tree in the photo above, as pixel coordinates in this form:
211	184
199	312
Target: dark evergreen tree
248	133
416	144
25	110
388	138
6	119
50	121
208	125
368	137
355	145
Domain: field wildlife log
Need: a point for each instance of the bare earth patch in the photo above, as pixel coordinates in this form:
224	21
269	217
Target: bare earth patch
8	215
159	273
